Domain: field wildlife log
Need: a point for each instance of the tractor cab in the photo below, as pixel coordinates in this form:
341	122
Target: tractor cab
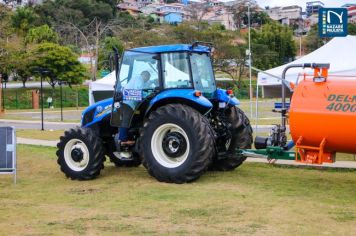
146	72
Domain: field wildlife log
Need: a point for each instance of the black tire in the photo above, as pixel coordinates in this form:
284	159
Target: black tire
241	138
198	149
135	162
92	145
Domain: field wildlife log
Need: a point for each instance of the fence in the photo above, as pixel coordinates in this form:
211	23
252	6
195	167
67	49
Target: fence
22	98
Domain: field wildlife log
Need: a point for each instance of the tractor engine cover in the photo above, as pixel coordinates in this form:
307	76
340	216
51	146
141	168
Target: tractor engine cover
325	110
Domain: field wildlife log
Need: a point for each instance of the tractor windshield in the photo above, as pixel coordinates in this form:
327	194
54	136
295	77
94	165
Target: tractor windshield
139	71
176	71
203	75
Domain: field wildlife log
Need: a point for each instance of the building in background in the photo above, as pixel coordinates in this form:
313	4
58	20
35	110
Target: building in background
19	3
351	14
312	8
285	15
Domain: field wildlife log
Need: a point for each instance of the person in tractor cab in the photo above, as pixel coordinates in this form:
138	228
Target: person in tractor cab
138	82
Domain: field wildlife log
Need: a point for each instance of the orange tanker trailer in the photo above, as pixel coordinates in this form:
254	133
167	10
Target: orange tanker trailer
322	119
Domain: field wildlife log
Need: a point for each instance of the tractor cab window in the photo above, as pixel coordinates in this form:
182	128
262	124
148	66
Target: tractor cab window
139	71
203	75
176	70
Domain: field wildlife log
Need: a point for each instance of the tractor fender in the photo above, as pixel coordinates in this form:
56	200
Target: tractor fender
222	96
96	112
182	96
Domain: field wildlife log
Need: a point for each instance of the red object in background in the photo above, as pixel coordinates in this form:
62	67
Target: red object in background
35	99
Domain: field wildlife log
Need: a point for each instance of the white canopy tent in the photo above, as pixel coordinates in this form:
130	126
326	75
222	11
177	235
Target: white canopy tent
103	87
339	52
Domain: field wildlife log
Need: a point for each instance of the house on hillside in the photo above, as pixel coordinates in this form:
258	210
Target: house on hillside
351	14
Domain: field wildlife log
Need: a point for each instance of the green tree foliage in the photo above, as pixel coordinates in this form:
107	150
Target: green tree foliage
272	46
23	19
79	12
352	29
106	49
41	34
60	61
312	41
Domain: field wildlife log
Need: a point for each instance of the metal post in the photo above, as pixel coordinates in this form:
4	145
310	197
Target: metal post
3	95
257	90
42	126
2	108
61	95
17	100
249	56
77	99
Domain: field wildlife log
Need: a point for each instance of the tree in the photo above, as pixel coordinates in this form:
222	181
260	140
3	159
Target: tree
23	19
351	29
196	12
41	34
60	61
106	48
239	11
313	41
272	46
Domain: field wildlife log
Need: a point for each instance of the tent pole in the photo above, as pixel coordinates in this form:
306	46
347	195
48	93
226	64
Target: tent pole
256	131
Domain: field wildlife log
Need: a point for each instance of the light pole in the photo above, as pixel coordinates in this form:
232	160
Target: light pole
42	72
249	56
61	95
1	107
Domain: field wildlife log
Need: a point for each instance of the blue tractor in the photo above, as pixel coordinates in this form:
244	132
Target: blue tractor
182	124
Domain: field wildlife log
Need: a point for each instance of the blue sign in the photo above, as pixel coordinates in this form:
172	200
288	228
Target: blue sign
132	94
332	22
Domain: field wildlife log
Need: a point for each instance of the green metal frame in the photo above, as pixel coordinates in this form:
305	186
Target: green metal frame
270	152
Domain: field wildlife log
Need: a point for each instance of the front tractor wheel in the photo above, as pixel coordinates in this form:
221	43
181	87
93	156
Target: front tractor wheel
241	138
80	154
176	144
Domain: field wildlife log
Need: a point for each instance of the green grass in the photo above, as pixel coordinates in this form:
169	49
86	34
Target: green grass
255	199
39	134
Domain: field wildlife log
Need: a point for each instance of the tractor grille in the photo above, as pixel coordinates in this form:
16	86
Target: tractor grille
88	117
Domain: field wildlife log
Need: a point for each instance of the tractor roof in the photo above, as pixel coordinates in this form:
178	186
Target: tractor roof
173	48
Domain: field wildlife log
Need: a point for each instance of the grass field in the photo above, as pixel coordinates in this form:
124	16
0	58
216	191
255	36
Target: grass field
255	199
38	134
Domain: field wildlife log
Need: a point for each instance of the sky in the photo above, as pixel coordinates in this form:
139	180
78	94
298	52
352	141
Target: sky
302	3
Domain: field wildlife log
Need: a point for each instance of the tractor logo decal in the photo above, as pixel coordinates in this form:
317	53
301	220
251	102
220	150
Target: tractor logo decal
132	94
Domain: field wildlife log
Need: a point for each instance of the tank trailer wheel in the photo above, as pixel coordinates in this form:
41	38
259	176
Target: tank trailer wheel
176	144
80	154
241	138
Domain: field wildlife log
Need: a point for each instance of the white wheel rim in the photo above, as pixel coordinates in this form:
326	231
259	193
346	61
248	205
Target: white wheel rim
72	164
157	147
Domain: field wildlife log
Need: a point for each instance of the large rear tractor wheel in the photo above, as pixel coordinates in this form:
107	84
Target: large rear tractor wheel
241	138
80	154
176	144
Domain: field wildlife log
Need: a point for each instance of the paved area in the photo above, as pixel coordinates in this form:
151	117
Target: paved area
36	142
27	124
336	165
49	115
